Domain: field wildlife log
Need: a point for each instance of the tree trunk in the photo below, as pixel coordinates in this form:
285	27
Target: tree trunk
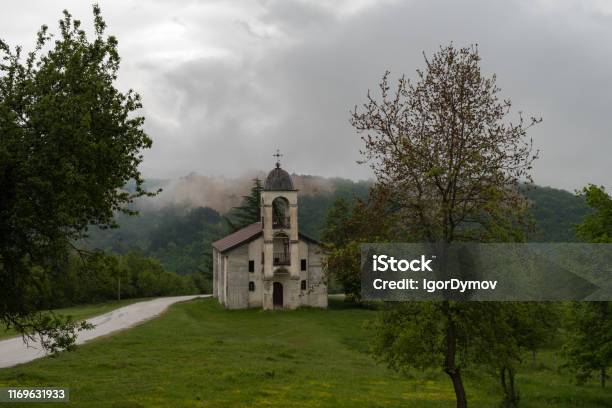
450	366
119	288
602	376
458	386
511	396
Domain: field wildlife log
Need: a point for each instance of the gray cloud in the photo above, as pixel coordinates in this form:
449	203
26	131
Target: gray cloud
224	83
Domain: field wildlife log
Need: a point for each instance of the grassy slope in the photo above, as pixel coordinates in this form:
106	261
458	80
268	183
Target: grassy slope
81	312
198	354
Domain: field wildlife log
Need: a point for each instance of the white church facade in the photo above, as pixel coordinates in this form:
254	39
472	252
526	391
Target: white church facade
270	264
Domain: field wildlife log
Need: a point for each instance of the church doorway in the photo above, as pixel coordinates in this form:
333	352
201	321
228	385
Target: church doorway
277	294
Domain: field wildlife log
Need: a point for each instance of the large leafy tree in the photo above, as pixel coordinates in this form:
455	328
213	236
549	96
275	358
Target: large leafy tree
446	153
492	335
69	142
589	324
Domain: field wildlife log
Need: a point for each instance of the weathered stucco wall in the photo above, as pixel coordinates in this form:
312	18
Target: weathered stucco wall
232	277
237	278
215	255
255	254
317	283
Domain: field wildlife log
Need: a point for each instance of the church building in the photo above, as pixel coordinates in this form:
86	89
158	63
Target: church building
270	264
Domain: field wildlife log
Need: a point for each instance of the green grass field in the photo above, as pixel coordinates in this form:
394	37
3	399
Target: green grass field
81	312
200	355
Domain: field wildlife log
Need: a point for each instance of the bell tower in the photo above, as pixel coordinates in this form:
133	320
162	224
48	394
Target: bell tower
280	233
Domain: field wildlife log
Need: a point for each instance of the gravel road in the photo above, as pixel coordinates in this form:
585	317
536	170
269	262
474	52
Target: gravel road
14	351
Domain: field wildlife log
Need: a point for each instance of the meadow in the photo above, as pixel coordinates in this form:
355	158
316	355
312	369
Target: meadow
199	355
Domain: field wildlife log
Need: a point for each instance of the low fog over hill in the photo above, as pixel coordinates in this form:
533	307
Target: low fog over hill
222	193
179	224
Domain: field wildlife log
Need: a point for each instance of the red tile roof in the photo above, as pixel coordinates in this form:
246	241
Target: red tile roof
245	234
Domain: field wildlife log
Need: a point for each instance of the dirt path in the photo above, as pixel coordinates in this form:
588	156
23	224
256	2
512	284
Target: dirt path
14	351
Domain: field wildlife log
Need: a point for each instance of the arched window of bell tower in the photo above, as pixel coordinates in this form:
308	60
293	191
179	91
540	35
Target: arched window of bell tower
280	213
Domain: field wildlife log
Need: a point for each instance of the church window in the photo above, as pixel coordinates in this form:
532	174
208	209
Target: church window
303	265
251	286
251	266
281	250
280	213
303	285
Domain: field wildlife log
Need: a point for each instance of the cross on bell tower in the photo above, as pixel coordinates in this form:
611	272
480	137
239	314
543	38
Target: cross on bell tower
278	156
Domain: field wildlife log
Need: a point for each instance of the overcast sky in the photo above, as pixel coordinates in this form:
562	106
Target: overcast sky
225	83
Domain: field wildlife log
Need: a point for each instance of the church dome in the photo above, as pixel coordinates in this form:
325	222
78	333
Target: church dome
278	180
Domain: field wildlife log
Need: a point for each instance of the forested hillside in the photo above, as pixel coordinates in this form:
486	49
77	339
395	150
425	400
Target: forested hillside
556	212
179	236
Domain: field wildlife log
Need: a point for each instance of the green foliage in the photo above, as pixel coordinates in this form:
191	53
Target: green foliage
61	336
147	277
589	324
343	257
589	339
53	332
96	279
341	264
70	142
347	226
491	336
555	213
597	226
336	231
180	239
312	208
